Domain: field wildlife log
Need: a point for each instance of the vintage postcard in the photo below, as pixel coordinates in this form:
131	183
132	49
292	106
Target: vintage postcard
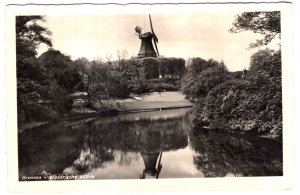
104	97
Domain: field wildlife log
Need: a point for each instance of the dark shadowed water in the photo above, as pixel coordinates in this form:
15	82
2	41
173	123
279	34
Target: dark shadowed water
159	144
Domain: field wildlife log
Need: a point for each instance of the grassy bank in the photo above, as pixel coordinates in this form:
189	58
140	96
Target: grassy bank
147	102
151	101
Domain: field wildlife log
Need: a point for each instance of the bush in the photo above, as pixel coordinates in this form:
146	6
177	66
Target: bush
119	90
195	86
253	104
138	86
35	112
149	68
159	87
174	67
243	105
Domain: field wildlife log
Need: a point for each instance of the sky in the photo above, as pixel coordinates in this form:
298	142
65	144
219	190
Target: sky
184	35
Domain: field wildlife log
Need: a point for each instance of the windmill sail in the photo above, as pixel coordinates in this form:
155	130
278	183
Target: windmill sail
155	39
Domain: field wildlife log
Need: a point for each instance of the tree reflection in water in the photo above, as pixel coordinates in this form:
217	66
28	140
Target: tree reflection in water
111	147
225	154
147	137
78	147
92	155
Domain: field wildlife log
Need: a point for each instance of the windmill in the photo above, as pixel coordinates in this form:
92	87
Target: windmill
147	49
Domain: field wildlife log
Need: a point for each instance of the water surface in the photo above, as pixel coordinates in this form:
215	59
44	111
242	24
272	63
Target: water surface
158	144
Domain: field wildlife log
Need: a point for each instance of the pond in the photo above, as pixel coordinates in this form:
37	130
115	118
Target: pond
158	144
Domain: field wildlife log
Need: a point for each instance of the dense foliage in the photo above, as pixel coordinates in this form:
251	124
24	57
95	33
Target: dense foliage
244	100
149	68
251	104
59	68
153	74
31	77
202	76
171	67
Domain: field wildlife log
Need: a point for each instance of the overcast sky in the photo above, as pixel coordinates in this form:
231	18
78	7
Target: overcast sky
183	35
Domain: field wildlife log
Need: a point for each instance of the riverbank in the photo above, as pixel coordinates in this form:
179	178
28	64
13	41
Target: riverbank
135	103
143	103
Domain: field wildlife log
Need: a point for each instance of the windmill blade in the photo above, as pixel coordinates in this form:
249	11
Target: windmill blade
155	39
151	25
154	36
156	48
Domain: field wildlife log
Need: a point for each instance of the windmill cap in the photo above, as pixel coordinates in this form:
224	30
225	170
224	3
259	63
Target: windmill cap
147	35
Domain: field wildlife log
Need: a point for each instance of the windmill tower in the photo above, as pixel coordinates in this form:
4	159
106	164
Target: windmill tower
147	49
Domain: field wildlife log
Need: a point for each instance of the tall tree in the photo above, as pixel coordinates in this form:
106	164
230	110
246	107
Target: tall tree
60	68
30	75
29	35
264	23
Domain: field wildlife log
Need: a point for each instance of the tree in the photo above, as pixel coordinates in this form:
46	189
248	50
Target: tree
59	67
121	54
149	68
94	76
209	78
29	35
264	23
31	77
28	28
202	76
196	65
267	60
79	67
130	69
118	66
174	67
81	64
252	104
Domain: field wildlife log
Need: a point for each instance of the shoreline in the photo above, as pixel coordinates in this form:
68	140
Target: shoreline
34	124
242	133
144	103
29	125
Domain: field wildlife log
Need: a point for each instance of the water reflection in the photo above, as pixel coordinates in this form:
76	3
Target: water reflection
152	161
226	154
92	154
158	144
82	147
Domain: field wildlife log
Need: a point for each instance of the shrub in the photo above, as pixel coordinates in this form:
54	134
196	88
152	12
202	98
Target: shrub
202	76
252	104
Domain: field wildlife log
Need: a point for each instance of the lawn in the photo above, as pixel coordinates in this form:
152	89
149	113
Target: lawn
155	100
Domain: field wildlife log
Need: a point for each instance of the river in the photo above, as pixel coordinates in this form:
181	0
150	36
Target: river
158	144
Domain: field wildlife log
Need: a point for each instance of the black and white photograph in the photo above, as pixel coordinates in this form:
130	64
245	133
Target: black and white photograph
159	93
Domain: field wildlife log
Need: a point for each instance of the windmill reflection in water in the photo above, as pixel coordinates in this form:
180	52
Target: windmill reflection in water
152	156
